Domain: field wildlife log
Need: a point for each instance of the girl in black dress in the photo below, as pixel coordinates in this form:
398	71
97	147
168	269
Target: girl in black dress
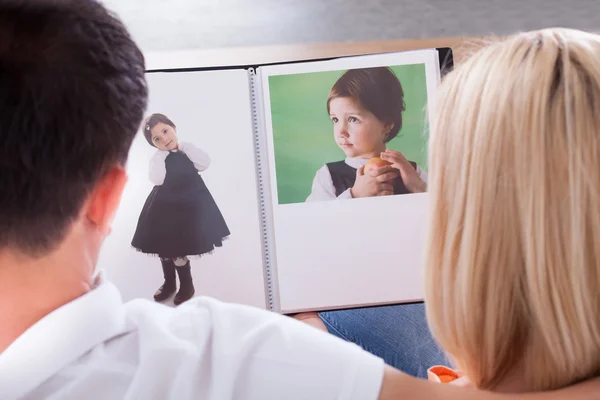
180	217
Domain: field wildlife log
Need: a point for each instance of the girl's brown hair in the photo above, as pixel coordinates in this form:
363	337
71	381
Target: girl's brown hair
151	121
376	89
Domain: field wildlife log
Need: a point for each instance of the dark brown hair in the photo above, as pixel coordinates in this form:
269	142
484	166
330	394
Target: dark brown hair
376	89
151	122
72	96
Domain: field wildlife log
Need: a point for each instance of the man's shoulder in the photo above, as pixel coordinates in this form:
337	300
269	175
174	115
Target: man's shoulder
223	348
146	316
194	321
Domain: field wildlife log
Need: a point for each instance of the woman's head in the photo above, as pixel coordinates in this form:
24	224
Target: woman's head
160	132
513	252
366	107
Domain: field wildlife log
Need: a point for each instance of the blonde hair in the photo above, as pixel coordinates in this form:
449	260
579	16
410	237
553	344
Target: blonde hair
512	263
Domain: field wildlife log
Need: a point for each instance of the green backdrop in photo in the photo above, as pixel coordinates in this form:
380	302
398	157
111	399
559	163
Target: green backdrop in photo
303	133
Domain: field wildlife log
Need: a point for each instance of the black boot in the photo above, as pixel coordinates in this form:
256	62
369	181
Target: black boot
170	284
186	285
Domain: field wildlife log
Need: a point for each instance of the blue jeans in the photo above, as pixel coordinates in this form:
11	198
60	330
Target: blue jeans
399	334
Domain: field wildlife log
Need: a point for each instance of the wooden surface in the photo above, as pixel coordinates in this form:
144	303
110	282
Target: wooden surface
228	57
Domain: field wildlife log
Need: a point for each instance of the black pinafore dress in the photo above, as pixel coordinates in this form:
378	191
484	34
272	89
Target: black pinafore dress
180	217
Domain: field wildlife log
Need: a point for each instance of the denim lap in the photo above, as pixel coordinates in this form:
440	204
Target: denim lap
398	334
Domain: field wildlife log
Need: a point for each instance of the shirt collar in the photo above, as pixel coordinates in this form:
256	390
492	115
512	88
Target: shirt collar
60	338
355	162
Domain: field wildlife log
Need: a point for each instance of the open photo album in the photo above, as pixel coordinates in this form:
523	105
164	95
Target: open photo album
291	187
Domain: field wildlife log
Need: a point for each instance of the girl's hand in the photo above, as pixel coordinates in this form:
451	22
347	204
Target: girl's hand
373	183
409	174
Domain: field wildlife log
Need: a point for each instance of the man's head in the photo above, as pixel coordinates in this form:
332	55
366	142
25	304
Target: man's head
72	95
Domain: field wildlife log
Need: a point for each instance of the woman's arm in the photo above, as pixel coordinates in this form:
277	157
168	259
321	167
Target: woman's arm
200	159
158	171
397	385
323	189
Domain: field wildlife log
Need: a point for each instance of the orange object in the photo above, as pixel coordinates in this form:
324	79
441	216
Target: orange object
446	378
442	374
374	163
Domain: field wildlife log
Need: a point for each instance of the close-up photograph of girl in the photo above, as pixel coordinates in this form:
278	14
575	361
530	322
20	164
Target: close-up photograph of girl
365	106
357	132
180	218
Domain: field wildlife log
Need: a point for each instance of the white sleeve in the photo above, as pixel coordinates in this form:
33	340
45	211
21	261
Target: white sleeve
422	174
200	159
158	171
251	354
323	189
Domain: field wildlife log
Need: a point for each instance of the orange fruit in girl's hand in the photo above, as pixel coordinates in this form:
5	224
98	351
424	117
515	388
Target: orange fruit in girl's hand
374	163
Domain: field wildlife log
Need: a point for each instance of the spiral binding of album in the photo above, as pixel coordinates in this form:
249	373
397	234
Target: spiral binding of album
263	192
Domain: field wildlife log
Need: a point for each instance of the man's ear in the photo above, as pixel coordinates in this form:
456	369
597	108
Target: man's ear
105	199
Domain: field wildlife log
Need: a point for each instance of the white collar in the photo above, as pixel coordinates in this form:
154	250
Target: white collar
60	338
355	162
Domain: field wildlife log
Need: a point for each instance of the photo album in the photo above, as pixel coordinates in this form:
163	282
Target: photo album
291	187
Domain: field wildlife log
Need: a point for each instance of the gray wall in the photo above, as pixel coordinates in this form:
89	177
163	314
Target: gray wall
179	24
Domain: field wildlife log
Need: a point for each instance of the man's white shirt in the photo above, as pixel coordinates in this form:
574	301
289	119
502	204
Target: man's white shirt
97	347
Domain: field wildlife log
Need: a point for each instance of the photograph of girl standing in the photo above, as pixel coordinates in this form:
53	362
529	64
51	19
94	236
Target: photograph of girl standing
180	218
